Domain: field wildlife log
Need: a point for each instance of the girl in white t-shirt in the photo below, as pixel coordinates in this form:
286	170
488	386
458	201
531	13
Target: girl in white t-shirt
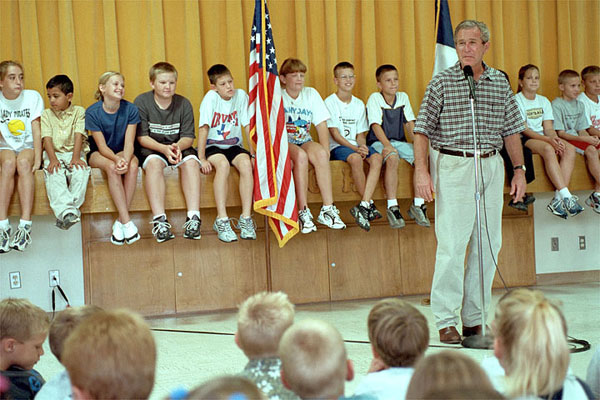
20	151
303	107
541	138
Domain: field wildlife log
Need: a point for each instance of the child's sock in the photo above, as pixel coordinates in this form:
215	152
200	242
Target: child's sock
4	224
190	214
23	223
365	204
419	201
371	201
159	216
392	203
564	193
326	208
557	195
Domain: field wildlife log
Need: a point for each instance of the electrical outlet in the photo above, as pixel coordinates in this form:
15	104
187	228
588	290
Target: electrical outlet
54	277
554	244
15	280
581	242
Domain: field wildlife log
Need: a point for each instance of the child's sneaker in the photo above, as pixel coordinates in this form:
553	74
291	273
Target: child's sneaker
247	228
306	221
161	229
395	218
191	227
69	220
557	207
419	214
224	231
361	216
5	240
594	202
117	234
374	213
572	205
22	238
330	217
130	232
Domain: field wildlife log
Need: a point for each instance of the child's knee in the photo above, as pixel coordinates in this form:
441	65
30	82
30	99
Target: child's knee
355	160
9	165
392	160
24	166
591	152
134	163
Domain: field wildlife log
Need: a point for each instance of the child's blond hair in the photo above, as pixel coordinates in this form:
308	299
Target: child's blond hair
590	70
566	74
398	332
4	65
111	355
102	81
262	320
291	65
226	388
21	320
313	359
161	68
64	323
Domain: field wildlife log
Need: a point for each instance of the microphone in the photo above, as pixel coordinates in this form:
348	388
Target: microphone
468	71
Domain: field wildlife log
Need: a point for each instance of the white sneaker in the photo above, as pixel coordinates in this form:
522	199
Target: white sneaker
5	240
594	202
130	232
224	232
247	228
117	234
330	216
306	221
22	238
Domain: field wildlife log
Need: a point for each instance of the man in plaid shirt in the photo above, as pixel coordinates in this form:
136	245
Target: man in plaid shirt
444	124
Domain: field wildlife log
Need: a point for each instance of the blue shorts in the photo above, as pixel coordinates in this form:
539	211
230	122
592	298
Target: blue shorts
404	149
342	153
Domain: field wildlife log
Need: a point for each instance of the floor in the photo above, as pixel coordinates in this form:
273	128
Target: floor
193	349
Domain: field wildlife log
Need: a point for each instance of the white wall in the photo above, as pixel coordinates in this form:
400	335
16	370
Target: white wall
51	249
569	257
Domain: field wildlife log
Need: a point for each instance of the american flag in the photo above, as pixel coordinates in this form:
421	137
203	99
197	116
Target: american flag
274	191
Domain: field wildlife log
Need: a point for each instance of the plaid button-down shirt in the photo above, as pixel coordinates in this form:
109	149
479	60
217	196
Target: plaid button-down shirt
445	114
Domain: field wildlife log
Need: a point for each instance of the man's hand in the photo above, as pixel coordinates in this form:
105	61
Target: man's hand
518	185
423	185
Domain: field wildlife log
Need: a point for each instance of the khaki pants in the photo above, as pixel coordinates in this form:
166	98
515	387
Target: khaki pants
454	286
66	187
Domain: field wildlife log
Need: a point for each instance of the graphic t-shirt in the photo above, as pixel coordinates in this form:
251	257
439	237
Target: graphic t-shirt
112	126
165	126
225	118
535	111
592	109
16	117
391	117
350	119
308	108
569	116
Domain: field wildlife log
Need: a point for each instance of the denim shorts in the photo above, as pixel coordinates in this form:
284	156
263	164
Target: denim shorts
342	153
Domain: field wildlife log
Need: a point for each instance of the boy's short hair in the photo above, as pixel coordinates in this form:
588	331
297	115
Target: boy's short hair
470	24
291	65
226	388
590	70
111	355
64	323
342	65
9	63
161	68
313	359
21	320
566	74
63	82
217	71
398	332
382	69
262	320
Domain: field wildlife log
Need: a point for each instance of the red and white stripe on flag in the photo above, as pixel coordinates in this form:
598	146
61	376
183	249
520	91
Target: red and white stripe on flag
274	191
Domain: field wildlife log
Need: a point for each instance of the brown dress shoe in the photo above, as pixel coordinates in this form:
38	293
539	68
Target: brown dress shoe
449	335
474	330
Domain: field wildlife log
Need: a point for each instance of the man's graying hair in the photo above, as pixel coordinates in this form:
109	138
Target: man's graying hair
469	24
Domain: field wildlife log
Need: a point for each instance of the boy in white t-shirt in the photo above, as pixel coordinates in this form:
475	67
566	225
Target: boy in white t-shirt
590	97
391	122
223	113
20	151
347	142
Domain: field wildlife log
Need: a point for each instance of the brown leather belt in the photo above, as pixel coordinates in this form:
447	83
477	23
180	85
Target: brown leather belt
460	153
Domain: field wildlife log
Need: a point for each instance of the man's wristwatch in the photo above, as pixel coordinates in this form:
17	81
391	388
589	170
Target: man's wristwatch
516	167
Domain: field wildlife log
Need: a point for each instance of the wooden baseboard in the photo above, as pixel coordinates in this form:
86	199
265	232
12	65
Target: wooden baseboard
562	278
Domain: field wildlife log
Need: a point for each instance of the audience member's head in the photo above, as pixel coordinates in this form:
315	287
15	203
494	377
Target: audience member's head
23	330
64	323
111	355
398	333
464	393
226	388
446	370
262	320
531	343
314	363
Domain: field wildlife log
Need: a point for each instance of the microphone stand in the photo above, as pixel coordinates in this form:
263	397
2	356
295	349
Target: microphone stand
478	341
